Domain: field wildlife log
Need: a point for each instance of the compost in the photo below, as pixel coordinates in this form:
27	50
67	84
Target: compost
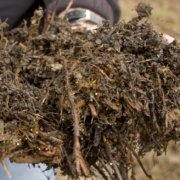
82	101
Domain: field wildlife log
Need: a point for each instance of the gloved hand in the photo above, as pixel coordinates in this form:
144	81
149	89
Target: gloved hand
85	14
108	9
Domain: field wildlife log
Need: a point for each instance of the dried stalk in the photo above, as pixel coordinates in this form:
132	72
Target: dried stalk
69	5
138	160
81	164
67	8
108	151
93	110
101	172
106	169
69	163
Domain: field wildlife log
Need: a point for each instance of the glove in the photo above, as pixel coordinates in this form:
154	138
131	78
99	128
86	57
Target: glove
108	9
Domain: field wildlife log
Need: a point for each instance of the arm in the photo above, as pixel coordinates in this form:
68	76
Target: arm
14	10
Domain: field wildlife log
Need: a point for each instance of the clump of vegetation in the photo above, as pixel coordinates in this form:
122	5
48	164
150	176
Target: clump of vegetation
79	99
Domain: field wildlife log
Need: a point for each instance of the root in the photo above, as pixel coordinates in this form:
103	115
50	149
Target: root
69	163
67	8
139	161
101	172
108	151
80	162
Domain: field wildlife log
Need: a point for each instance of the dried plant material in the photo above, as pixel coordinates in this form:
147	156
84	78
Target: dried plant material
143	10
61	92
1	129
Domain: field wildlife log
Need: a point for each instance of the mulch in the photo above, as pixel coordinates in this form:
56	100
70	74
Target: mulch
77	100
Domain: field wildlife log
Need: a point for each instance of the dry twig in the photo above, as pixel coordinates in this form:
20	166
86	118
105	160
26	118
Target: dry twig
67	8
108	151
81	164
138	160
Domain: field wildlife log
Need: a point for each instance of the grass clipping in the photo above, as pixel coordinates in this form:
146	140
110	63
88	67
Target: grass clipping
80	100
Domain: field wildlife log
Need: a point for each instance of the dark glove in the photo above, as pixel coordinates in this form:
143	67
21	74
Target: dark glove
16	10
108	9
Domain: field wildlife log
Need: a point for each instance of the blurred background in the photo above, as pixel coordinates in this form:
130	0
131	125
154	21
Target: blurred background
166	19
165	15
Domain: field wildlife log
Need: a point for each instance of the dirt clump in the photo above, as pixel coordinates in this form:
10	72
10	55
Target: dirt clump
79	99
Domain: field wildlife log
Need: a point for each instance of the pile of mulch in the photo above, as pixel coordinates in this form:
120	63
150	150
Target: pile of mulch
77	100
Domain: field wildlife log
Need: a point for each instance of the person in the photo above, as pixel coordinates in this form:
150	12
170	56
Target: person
92	11
88	14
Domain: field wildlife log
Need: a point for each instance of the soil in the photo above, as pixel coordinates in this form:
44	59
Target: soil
79	100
